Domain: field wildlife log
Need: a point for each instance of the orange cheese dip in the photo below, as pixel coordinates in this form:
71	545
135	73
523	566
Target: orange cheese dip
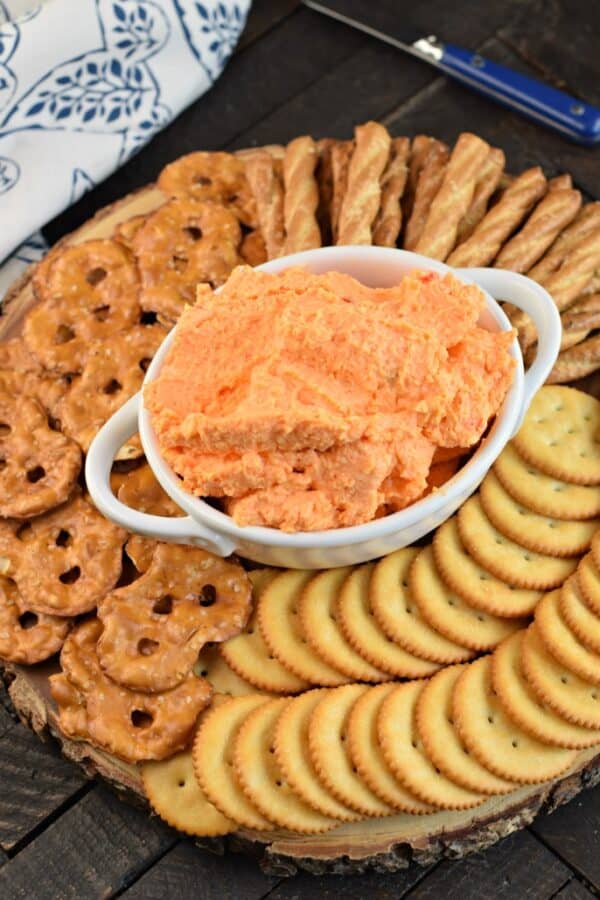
311	402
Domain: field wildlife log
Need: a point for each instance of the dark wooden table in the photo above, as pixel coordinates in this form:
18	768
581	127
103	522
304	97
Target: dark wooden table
294	72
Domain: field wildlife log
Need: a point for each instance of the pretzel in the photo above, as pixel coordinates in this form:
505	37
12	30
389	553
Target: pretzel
15	356
219	177
501	220
26	637
140	490
155	627
127	230
71	707
140	551
341	154
38	466
363	193
46	389
253	249
585	223
262	172
65	561
181	244
576	362
487	182
453	199
301	196
388	221
113	372
430	177
88	292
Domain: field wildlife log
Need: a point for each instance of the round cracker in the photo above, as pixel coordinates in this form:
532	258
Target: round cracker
495	739
562	643
327	733
556	686
506	559
318	617
175	795
450	614
363	632
559	434
578	616
211	665
404	753
588	581
213	761
475	584
442	742
261	778
543	534
523	707
542	493
595	547
365	753
281	629
291	751
394	607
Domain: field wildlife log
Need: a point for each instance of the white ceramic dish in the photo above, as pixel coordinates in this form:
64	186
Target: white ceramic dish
207	527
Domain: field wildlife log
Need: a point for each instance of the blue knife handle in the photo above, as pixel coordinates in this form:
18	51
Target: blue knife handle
553	108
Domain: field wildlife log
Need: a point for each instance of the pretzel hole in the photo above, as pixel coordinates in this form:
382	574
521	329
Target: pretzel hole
35	474
95	276
208	595
112	386
4	428
194	232
28	620
63	538
148	318
146	647
23	532
101	313
141	719
202	180
3	464
231	198
70	576
53	424
164	605
144	363
63	334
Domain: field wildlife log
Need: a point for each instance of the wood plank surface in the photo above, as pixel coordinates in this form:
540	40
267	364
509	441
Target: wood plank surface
573	832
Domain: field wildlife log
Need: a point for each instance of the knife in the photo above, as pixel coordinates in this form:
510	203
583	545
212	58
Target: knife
538	101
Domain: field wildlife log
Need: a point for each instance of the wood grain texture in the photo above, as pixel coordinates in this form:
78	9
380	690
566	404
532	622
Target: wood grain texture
573	890
573	832
381	886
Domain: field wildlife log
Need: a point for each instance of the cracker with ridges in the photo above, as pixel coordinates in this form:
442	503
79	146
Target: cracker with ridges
365	753
595	547
558	434
318	615
291	752
560	641
523	706
588	581
543	534
405	755
398	614
582	621
475	584
449	613
175	795
327	738
213	761
556	686
494	739
261	778
281	629
442	742
505	558
211	665
362	630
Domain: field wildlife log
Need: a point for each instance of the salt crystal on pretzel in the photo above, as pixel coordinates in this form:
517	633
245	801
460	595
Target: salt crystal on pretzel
430	177
585	223
26	637
501	220
341	154
388	221
301	196
39	466
155	627
262	172
452	201
487	182
362	199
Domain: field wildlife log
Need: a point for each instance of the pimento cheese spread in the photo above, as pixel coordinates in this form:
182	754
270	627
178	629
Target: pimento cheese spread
311	402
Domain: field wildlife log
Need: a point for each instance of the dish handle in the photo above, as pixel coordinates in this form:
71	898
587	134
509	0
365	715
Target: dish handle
529	296
183	530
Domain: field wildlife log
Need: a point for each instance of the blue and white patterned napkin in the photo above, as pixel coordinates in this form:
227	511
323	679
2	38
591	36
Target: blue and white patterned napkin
84	84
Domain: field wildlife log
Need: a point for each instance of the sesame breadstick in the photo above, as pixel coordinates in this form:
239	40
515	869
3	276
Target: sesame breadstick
265	183
363	193
585	313
341	153
488	181
560	182
430	180
419	150
324	176
587	220
502	219
454	196
388	221
301	196
576	362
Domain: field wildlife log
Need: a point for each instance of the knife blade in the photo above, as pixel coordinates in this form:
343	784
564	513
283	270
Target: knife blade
545	105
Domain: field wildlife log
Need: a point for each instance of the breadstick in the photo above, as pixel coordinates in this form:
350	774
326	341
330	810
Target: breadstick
584	313
560	182
430	179
587	220
301	196
341	153
454	196
265	183
488	181
363	193
553	213
502	219
277	151
388	221
576	362
419	150
324	175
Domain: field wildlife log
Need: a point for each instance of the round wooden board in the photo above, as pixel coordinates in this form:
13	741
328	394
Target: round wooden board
379	844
